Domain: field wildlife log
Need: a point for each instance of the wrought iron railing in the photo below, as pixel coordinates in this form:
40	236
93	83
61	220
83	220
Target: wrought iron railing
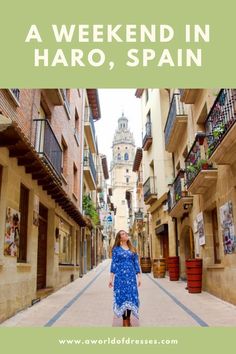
177	190
47	145
16	93
148	132
88	161
197	159
149	187
176	109
221	118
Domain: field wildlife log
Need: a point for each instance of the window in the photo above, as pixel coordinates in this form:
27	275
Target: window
119	156
24	202
65	243
78	247
127	180
126	156
66	96
77	122
75	181
127	171
64	157
215	231
0	179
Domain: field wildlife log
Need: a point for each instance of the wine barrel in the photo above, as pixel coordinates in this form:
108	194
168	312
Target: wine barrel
194	275
146	264
159	268
173	265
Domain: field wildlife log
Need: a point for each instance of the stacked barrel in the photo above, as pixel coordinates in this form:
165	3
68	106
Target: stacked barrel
194	275
146	264
159	268
173	266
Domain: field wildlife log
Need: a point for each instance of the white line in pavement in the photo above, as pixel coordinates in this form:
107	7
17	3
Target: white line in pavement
186	309
72	301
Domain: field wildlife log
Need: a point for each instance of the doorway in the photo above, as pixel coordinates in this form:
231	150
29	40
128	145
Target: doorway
42	247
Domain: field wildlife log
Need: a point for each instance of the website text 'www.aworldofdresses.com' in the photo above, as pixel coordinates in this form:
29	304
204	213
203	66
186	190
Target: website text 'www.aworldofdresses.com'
116	340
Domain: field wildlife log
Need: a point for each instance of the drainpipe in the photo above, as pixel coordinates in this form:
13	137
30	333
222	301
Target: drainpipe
82	151
176	237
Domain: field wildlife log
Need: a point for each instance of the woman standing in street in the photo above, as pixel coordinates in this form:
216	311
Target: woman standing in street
124	269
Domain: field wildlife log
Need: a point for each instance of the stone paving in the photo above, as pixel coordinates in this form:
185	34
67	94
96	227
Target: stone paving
87	302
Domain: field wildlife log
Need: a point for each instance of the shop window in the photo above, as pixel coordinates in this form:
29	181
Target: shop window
65	247
215	231
0	179
24	203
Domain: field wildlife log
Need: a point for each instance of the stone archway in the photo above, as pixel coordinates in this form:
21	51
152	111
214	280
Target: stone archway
186	248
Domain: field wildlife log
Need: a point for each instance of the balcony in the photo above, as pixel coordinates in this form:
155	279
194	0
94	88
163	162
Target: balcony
56	96
138	214
189	96
175	124
89	169
147	140
200	175
179	201
47	145
149	190
221	128
89	129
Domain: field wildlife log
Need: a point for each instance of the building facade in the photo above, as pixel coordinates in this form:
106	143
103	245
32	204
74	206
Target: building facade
199	135
42	168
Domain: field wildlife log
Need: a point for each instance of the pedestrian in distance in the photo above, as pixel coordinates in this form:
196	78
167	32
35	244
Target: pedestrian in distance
126	278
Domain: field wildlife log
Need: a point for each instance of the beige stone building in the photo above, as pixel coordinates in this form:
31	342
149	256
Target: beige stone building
203	197
122	175
157	171
44	172
199	138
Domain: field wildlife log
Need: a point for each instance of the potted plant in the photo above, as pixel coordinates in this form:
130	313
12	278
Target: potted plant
209	151
218	130
191	168
203	164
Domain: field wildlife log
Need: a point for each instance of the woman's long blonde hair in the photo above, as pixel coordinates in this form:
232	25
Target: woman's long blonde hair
117	242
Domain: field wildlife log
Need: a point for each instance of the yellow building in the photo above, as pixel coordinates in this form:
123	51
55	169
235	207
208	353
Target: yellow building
41	184
200	133
157	171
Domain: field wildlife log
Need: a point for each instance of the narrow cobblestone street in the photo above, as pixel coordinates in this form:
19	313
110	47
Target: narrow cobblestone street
87	302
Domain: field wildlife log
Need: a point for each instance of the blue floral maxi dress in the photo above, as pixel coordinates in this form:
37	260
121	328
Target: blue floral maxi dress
125	266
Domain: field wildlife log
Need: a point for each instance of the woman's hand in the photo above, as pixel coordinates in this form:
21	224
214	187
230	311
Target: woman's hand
110	284
139	280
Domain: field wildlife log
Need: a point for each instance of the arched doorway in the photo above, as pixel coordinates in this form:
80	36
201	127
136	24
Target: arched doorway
186	249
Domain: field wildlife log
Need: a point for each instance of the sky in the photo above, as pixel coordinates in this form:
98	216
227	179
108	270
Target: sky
112	103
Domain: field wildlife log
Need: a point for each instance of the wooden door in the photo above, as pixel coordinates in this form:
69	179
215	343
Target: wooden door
42	248
165	248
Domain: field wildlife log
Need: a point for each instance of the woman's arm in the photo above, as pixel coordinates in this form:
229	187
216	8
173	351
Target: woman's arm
113	268
137	268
